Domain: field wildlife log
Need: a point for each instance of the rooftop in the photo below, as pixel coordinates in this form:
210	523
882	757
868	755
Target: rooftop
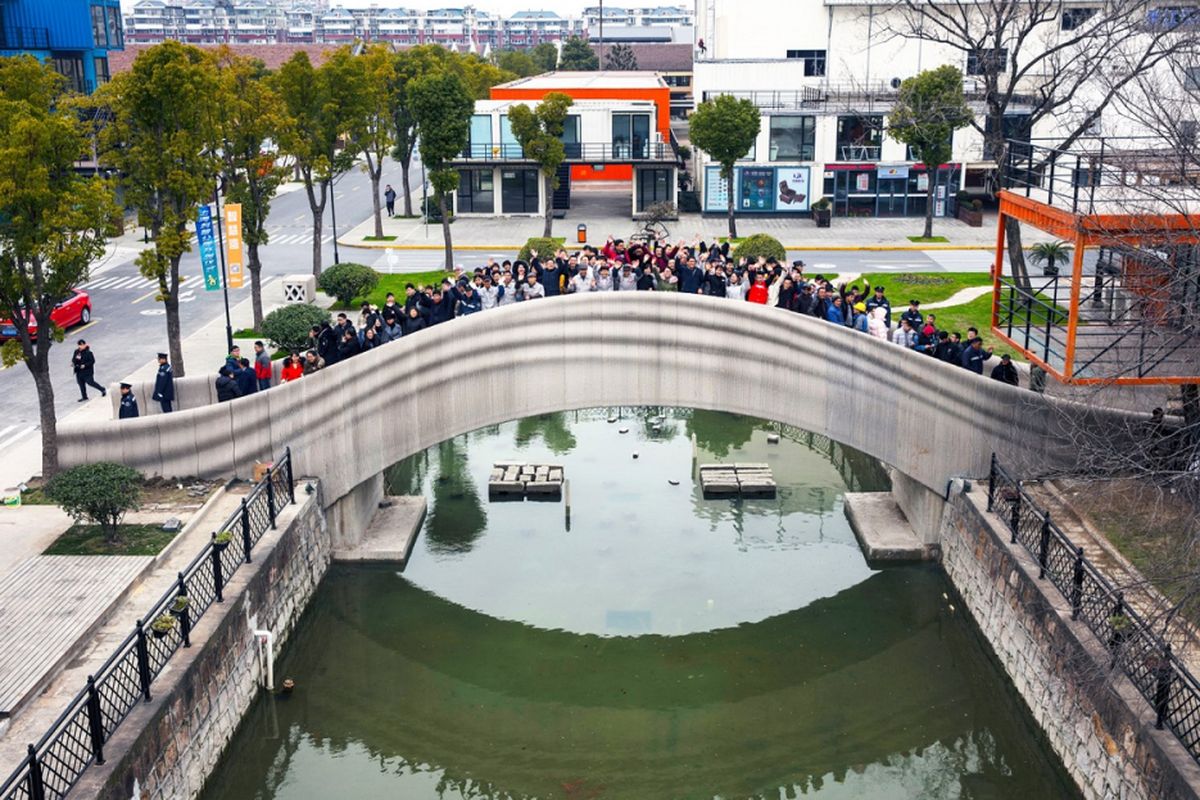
608	79
657	57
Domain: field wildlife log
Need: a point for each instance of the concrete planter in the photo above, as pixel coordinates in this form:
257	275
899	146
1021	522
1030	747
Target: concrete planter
970	216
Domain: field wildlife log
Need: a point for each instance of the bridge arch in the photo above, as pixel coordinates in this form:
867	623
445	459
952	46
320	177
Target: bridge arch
929	420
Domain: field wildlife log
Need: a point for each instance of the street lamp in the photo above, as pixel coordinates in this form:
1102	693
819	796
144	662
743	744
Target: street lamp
333	209
219	219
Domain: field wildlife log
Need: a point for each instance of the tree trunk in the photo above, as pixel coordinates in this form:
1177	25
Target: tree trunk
376	173
441	200
404	162
318	212
548	230
1016	255
929	205
40	369
255	267
174	333
729	208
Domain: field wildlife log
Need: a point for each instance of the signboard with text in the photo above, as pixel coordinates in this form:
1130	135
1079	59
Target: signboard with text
208	248
233	245
716	190
792	193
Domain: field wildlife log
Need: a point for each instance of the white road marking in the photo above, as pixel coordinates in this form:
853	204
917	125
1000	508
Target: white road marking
16	437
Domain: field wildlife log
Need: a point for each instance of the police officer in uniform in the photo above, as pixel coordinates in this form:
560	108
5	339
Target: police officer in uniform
164	384
129	408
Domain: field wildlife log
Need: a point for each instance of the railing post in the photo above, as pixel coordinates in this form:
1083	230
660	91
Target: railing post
271	496
37	786
1162	688
291	479
1014	514
1044	545
185	618
246	530
1117	638
1077	584
1075	185
95	720
992	483
143	660
218	578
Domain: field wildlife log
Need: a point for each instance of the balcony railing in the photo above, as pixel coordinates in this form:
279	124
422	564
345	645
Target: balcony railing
24	38
859	152
582	152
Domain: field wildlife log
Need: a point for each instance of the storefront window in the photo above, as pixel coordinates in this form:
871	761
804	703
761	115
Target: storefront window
519	191
793	138
653	186
476	194
859	137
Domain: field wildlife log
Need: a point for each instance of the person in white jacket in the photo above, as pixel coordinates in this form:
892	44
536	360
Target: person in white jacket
904	335
877	323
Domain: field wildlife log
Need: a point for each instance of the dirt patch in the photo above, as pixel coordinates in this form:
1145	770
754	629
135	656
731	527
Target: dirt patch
158	494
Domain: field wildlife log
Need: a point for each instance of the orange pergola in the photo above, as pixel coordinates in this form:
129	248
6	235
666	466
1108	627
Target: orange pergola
1082	231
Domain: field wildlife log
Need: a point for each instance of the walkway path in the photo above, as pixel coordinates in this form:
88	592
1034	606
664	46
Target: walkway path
959	297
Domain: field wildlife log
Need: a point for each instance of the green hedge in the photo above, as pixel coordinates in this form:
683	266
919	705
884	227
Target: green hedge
348	281
287	328
545	247
760	244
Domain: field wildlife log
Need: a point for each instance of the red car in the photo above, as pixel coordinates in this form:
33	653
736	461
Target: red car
75	309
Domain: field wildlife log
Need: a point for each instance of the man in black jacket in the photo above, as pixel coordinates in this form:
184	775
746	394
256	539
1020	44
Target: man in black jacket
129	408
226	386
84	364
1005	372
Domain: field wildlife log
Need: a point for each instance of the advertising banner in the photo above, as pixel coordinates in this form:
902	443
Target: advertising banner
887	171
756	189
716	190
208	249
233	244
792	189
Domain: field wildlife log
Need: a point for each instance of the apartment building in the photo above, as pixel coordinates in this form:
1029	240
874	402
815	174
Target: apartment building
651	16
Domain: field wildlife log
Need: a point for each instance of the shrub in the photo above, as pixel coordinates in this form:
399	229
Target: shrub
976	204
99	493
760	244
348	281
545	247
287	328
821	205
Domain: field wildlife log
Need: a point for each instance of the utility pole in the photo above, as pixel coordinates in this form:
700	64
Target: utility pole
219	219
601	35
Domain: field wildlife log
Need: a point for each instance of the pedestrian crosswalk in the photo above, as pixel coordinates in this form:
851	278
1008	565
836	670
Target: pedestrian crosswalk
12	434
120	282
287	236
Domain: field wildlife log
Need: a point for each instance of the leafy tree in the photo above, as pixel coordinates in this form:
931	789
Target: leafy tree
545	55
250	120
320	106
408	66
348	281
577	54
479	76
442	107
760	244
99	493
929	108
51	221
1050	254
287	327
540	133
373	133
725	128
518	62
164	143
621	57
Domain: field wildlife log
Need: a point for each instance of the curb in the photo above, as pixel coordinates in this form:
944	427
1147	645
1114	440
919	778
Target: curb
789	247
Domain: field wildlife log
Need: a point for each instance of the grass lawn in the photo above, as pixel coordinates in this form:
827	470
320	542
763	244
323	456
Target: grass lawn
928	287
246	333
922	239
396	284
379	238
87	540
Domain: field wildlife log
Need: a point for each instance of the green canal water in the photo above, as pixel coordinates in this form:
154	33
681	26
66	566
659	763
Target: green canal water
650	644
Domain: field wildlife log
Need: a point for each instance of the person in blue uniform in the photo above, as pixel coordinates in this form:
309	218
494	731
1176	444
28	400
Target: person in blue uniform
129	407
164	384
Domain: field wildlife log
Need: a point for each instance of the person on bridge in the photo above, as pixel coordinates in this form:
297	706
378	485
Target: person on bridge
83	361
389	197
129	407
262	366
914	316
226	386
244	375
974	356
1006	371
293	368
164	384
880	301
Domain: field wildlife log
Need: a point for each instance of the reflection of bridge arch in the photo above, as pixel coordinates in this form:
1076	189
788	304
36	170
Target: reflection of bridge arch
346	424
859	472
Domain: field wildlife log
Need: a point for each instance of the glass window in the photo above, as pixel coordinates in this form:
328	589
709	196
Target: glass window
859	137
519	191
72	69
509	146
1073	18
570	137
476	194
99	30
793	138
814	61
102	75
985	61
653	186
116	34
479	137
1191	79
630	135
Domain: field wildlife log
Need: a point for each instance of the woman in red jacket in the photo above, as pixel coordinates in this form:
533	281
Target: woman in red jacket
758	292
293	368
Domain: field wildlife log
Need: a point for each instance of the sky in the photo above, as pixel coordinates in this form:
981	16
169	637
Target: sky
505	7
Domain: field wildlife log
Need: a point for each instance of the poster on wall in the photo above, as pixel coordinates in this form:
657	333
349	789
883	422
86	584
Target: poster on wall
923	182
716	190
756	189
862	182
891	171
791	189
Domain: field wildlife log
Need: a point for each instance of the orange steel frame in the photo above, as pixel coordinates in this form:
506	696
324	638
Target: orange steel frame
1083	231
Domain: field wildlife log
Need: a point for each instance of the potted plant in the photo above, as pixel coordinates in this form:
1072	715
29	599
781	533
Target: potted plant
969	210
162	625
179	606
222	540
1049	254
822	212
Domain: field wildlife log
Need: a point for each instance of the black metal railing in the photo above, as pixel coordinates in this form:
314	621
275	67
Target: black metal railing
1142	655
21	38
1034	319
587	152
76	739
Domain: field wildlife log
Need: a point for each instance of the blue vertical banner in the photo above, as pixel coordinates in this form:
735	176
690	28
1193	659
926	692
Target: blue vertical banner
208	249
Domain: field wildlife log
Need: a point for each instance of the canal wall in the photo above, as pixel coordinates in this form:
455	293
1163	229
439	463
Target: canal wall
166	748
1094	720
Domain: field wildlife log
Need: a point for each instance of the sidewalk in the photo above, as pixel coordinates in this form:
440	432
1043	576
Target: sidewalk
799	233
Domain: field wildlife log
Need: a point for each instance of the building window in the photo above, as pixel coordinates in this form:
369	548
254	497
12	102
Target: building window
116	33
814	61
509	146
653	186
101	63
859	137
630	135
71	68
570	137
519	191
99	28
479	137
988	61
476	194
1073	18
793	138
1187	133
1191	79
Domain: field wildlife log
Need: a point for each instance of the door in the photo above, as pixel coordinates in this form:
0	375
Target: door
890	197
841	193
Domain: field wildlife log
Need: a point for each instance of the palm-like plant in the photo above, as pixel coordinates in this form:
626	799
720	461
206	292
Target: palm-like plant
1049	254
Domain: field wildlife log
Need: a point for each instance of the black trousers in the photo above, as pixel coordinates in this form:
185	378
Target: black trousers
85	379
166	406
